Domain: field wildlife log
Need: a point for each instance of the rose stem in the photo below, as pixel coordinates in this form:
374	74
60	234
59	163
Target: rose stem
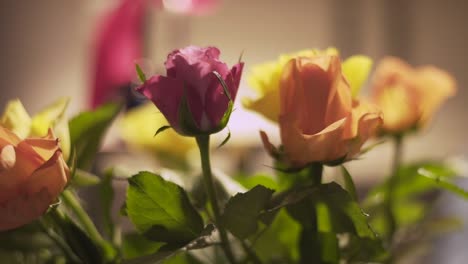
203	142
72	202
398	149
68	252
309	235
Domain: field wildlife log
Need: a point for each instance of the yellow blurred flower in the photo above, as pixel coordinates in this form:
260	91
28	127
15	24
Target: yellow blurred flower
16	119
409	96
265	79
139	125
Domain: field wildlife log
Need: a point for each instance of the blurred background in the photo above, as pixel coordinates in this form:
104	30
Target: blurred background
48	48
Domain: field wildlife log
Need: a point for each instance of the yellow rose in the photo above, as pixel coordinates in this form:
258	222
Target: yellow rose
319	120
32	175
138	126
409	96
265	79
16	119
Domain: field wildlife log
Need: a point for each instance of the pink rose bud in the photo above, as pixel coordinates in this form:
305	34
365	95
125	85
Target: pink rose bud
197	94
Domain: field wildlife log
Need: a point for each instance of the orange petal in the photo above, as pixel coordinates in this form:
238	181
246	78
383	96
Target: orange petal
52	175
301	149
7	158
341	102
435	86
365	121
305	92
23	209
362	110
45	146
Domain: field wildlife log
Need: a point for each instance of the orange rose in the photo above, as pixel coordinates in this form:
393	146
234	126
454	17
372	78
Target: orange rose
409	96
32	175
319	120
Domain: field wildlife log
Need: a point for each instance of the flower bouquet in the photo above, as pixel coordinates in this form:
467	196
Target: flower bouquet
198	214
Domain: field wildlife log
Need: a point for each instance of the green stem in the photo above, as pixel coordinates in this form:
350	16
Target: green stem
316	173
58	240
392	183
309	237
203	142
85	221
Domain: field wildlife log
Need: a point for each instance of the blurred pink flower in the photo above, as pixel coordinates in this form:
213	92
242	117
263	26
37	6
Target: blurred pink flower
120	40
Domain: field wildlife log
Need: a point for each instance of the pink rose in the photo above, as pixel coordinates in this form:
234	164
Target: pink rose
191	96
32	176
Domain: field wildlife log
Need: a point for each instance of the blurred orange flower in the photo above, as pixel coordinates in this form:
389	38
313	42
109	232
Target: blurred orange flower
407	96
319	120
32	175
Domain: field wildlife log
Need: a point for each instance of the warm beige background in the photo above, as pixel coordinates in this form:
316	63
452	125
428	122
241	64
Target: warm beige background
45	50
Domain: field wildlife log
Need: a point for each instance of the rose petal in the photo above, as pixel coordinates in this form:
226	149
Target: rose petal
303	80
301	149
340	100
190	55
166	93
236	75
436	86
216	100
22	209
52	175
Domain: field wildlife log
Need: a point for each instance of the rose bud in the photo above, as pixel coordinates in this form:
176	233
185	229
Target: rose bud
32	175
265	79
409	96
319	120
197	94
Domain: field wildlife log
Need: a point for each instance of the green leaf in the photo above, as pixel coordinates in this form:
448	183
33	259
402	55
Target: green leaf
359	250
141	74
87	130
135	245
278	242
225	119
326	211
223	84
443	183
161	129
240	57
161	210
83	178
242	211
166	253
349	183
226	139
251	181
342	206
